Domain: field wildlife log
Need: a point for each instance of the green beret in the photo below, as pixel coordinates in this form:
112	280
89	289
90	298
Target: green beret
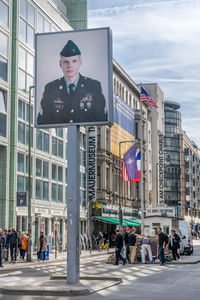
70	49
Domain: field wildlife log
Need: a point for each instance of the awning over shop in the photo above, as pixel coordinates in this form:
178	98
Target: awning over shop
126	222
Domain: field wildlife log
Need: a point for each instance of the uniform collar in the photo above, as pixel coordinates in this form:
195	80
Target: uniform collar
75	82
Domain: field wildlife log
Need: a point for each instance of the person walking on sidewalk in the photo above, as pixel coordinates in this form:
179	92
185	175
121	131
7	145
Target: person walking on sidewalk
174	244
24	245
119	246
7	243
13	245
145	247
2	241
126	241
132	244
163	240
41	246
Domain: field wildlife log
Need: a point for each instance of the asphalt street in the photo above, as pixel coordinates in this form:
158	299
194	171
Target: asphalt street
139	281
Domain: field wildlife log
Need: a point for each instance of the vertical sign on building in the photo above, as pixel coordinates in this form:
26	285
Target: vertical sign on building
91	162
161	169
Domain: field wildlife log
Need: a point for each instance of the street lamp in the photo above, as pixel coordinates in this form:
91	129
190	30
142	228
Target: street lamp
120	200
29	182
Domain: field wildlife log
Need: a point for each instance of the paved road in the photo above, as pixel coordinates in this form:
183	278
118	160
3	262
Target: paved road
140	282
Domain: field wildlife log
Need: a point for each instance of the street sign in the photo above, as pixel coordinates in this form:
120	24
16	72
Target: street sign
21	199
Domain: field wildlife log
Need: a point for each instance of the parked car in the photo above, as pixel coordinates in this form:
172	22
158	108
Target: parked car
186	237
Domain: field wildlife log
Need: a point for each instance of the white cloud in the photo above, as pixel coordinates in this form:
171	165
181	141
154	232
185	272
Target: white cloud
158	41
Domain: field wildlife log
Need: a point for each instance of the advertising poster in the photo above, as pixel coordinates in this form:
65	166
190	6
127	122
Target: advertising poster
74	78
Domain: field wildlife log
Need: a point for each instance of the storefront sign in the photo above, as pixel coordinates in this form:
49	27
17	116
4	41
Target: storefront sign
91	162
113	211
22	211
161	169
41	211
58	212
160	211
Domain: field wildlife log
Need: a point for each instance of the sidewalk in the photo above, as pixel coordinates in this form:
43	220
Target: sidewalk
61	256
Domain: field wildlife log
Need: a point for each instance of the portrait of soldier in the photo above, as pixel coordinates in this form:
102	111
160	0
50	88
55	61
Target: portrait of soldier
72	98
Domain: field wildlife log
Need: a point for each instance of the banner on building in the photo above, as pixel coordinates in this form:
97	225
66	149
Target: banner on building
91	162
160	191
124	126
21	199
73	80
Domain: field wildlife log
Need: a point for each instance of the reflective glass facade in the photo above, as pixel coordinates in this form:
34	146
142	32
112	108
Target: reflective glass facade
172	154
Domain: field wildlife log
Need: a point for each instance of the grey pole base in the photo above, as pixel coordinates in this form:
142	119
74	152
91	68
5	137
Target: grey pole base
57	286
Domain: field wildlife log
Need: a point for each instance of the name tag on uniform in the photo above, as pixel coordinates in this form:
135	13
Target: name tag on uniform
58	104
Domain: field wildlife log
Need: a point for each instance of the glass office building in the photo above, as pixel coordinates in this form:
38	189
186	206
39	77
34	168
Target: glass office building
19	21
172	153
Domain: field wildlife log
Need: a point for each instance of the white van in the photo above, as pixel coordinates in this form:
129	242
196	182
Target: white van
186	236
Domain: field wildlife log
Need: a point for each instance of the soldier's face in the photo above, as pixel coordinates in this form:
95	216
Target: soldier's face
70	66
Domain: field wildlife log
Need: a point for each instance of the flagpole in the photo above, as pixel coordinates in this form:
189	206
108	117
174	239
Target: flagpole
120	198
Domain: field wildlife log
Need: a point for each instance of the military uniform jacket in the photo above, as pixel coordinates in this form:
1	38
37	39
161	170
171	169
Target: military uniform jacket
86	105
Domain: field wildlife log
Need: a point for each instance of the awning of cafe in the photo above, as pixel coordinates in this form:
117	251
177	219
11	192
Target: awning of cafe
126	222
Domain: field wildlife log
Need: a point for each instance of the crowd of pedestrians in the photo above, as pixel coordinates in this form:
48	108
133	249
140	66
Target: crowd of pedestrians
126	246
12	245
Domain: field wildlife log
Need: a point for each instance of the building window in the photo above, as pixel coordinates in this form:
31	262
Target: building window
3	56
54	172
54	146
4	13
26	70
42	24
54	192
38	193
3	110
98	177
83	158
20	162
38	168
45	169
42	141
60	174
27	23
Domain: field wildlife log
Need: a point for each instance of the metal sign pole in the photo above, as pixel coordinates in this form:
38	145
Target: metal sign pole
73	205
29	182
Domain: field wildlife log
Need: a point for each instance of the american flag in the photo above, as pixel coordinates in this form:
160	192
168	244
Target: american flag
146	98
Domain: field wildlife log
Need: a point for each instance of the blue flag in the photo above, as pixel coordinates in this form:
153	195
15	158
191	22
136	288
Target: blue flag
130	162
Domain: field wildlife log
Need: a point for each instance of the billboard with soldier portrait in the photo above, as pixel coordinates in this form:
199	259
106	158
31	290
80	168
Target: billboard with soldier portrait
74	78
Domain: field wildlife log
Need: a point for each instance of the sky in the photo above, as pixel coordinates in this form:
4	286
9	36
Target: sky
157	41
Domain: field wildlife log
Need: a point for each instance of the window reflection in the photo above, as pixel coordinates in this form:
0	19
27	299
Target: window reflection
3	14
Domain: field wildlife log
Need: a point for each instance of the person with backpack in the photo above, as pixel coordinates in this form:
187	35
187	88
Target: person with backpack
174	244
163	240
